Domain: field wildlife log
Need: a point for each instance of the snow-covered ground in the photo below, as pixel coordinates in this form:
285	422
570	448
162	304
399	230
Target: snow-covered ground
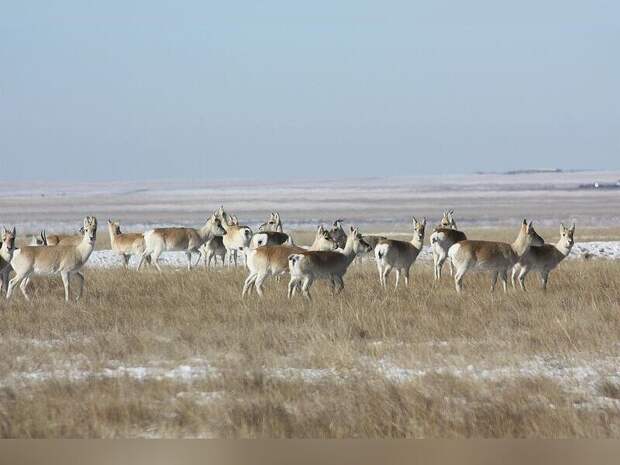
109	259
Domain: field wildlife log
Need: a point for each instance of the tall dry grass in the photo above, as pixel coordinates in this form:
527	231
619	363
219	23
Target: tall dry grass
182	318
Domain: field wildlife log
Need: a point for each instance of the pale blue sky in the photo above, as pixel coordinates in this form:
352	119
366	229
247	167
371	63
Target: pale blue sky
200	89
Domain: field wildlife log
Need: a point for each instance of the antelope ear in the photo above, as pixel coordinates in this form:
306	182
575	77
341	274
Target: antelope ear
13	232
562	228
352	229
572	228
415	220
424	221
529	226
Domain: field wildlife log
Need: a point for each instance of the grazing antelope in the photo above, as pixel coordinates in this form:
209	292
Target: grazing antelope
67	260
339	234
307	267
41	239
497	257
444	237
399	255
7	248
237	237
125	244
188	240
544	258
274	223
273	260
212	249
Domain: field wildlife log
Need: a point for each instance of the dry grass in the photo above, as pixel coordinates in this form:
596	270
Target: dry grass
255	352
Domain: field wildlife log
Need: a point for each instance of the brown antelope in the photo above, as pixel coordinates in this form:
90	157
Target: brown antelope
544	258
338	234
399	255
125	244
497	257
444	237
273	259
307	267
187	240
237	237
66	260
274	223
7	248
212	249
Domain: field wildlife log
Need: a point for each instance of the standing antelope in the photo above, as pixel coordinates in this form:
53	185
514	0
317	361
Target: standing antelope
274	223
273	260
338	234
497	257
544	258
41	239
7	248
125	244
188	240
307	267
399	255
212	249
237	237
67	260
444	237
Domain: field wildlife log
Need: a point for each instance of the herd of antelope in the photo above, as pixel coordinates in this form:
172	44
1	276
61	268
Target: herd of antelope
271	252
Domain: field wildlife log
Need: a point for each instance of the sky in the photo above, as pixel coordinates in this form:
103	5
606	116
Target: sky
117	90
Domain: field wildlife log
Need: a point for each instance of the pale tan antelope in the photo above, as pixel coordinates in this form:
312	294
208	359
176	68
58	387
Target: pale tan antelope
442	238
399	255
64	239
66	260
274	223
271	260
544	258
125	244
237	237
187	240
496	257
7	248
307	267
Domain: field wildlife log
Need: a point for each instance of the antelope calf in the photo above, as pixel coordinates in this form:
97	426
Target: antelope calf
399	255
496	257
307	267
237	237
7	248
187	240
271	260
273	223
444	237
544	258
66	260
125	244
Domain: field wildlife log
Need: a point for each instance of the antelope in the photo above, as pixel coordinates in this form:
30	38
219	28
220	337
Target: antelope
125	244
7	248
338	234
306	267
188	240
273	260
544	258
212	249
399	255
64	239
41	239
444	237
66	260
237	237
497	257
274	223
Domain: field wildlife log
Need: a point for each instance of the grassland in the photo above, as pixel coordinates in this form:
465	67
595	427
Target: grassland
180	354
